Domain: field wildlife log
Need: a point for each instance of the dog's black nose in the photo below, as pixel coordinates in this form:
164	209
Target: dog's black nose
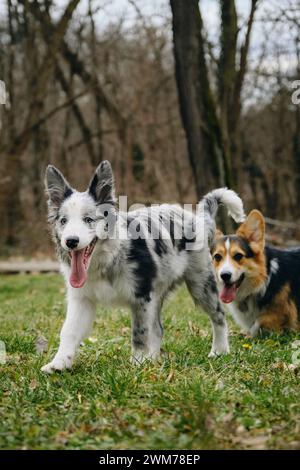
226	276
72	242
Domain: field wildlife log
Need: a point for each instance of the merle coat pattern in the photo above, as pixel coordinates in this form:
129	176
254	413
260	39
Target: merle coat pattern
135	272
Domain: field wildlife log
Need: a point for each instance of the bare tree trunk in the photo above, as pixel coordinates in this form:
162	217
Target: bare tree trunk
207	154
296	139
98	105
10	204
227	72
236	106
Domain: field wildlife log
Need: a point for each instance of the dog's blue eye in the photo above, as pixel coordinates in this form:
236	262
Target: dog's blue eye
63	221
88	220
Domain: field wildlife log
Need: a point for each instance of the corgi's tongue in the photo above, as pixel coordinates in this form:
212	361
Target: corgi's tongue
228	293
78	274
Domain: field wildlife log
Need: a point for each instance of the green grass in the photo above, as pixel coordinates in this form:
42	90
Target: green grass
248	399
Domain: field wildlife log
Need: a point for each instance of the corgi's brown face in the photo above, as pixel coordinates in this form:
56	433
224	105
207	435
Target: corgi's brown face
239	259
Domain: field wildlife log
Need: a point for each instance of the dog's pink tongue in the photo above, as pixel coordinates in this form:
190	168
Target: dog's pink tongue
228	293
78	272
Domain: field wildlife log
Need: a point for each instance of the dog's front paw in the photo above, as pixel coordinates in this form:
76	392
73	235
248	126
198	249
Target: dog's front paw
139	357
219	351
58	364
255	330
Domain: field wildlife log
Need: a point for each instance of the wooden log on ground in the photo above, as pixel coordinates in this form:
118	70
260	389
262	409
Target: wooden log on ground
31	266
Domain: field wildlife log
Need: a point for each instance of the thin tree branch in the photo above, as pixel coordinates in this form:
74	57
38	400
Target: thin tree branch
55	110
78	67
240	76
83	126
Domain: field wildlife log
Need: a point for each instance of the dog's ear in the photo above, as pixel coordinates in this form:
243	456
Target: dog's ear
57	187
102	187
253	229
218	234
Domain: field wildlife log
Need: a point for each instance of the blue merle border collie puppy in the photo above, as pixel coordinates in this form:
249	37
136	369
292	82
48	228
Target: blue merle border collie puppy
133	259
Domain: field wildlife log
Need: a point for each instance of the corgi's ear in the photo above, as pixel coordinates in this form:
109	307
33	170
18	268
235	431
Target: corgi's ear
253	229
218	234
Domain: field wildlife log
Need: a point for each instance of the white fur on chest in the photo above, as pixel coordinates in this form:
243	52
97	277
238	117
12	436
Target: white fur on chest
244	318
105	293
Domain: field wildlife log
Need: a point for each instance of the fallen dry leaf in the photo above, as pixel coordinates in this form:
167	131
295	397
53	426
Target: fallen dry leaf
228	417
125	331
170	376
220	385
253	443
240	429
41	345
191	327
62	437
196	330
153	377
279	365
294	445
33	384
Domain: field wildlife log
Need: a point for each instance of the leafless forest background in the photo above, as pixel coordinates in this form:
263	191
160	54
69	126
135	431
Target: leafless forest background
177	107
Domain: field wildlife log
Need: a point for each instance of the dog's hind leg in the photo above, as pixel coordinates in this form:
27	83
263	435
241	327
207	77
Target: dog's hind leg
147	330
204	291
77	326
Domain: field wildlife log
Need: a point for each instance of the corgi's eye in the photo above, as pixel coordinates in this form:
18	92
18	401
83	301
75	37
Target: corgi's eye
63	221
217	257
238	257
88	220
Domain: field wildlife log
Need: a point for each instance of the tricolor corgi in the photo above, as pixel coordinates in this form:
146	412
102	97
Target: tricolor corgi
260	284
